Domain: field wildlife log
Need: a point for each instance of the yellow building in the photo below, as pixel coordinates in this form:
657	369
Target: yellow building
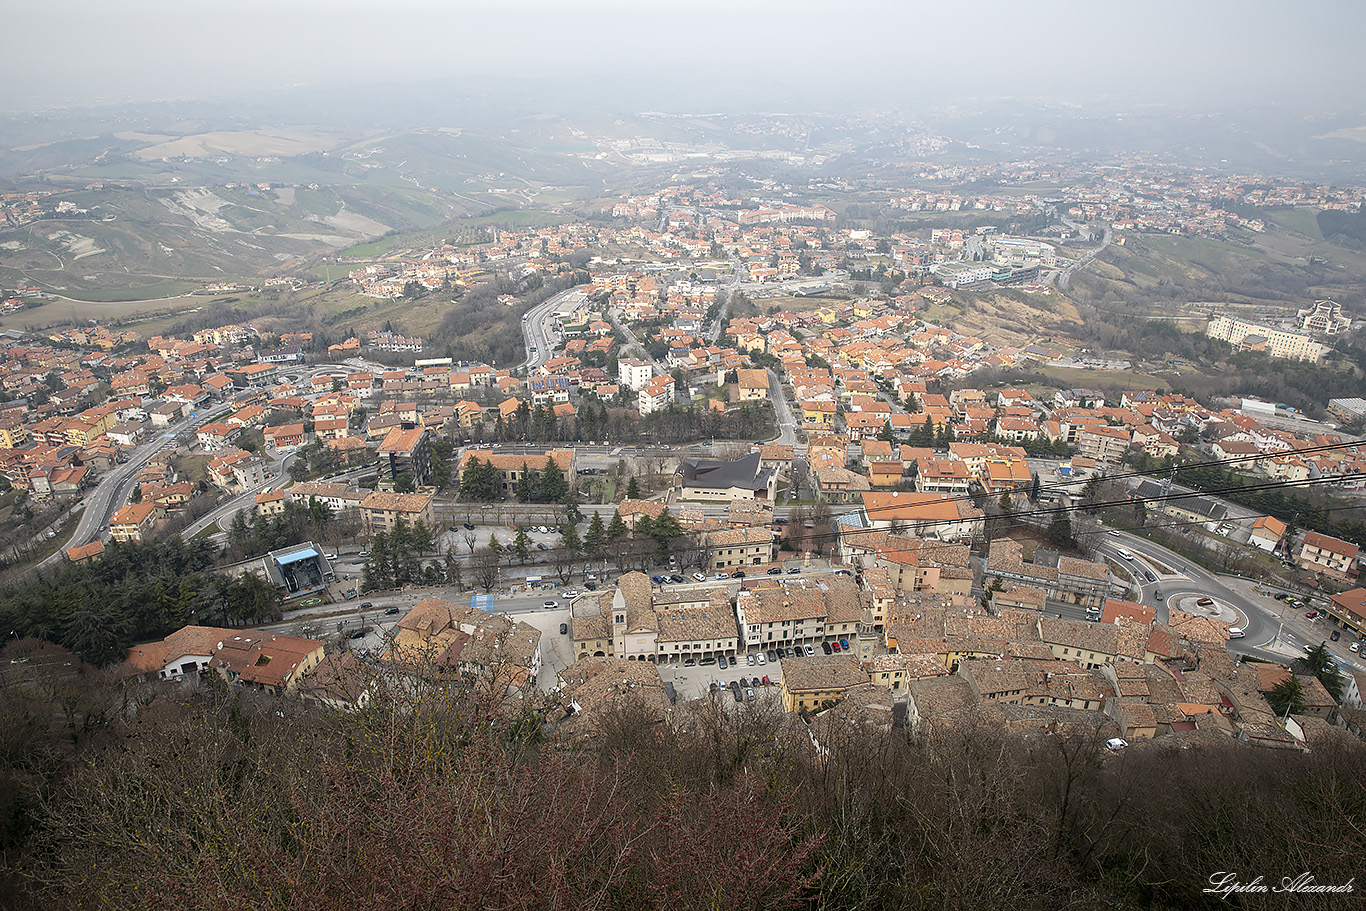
808	683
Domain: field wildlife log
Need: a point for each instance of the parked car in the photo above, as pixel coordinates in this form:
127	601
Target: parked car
699	577
391	612
775	571
810	651
676	578
749	694
844	644
738	693
793	570
549	605
690	662
722	662
707	662
1354	647
1116	743
364	605
591	586
358	634
738	574
564	629
825	647
760	658
788	653
749	659
1335	635
1312	615
834	646
468	526
571	593
773	655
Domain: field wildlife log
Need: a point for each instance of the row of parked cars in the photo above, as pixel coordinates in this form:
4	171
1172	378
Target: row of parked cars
773	654
742	689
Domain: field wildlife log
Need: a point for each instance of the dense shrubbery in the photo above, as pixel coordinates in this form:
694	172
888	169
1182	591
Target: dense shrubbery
211	801
135	592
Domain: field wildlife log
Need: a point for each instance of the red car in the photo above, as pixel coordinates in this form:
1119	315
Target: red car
1312	615
767	682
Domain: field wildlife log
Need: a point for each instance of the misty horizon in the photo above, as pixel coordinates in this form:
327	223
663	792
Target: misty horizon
611	55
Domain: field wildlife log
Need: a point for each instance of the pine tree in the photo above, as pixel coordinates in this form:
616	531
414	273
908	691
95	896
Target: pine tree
524	487
521	544
616	529
633	490
572	514
554	487
569	538
596	537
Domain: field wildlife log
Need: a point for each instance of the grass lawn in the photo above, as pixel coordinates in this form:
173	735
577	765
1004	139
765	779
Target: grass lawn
210	529
375	248
140	293
1075	376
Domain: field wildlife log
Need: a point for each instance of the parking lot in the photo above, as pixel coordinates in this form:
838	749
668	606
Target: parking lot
694	682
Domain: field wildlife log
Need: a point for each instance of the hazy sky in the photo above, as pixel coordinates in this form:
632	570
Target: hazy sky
665	54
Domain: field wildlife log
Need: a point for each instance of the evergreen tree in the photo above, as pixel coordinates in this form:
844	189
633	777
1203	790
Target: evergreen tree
494	546
616	529
569	538
554	487
1287	697
521	544
479	480
572	514
633	489
596	537
524	488
1060	531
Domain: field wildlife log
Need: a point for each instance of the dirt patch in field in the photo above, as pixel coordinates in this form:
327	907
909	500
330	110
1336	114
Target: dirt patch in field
250	143
356	224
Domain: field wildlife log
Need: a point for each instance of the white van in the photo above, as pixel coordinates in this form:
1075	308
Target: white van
1126	555
1235	632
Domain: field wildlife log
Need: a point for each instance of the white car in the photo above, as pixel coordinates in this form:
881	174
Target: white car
1116	743
549	605
1354	647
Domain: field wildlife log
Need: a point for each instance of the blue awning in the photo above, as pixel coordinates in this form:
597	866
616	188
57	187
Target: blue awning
305	554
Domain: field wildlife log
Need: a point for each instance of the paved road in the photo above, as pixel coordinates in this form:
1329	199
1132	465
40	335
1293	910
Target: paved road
632	341
279	473
1066	277
787	422
538	334
1273	631
114	489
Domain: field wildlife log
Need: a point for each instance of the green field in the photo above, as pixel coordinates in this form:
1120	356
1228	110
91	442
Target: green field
141	294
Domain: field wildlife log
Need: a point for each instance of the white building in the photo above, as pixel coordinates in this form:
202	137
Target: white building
1278	343
634	373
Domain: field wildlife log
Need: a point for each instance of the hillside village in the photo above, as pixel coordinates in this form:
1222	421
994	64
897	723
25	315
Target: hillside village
939	493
